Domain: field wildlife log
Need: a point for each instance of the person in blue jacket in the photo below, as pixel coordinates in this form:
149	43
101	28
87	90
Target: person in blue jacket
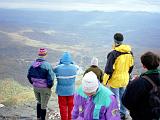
41	76
66	72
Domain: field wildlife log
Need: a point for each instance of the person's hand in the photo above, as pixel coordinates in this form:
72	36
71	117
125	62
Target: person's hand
108	85
49	86
135	77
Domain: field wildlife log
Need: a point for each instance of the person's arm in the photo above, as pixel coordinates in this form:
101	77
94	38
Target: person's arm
112	112
50	77
29	76
130	69
109	67
105	78
131	63
75	110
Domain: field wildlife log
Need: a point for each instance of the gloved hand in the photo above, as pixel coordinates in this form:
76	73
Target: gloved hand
50	86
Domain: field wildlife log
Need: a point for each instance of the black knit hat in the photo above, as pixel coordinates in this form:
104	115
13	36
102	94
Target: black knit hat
118	38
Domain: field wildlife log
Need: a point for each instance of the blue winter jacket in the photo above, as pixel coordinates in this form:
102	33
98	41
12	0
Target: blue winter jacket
66	73
41	74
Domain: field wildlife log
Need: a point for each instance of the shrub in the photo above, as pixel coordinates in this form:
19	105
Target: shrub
13	93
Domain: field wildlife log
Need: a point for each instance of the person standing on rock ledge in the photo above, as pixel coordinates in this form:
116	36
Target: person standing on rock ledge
93	101
142	95
117	71
41	76
95	68
66	72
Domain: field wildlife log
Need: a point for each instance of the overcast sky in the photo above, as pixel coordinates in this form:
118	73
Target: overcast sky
84	5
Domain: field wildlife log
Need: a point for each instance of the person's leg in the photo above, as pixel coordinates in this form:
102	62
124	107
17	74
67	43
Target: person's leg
70	106
122	107
45	95
116	92
62	100
43	114
38	111
38	98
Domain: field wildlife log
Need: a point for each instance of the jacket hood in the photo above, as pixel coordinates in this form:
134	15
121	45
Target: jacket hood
123	48
38	62
66	58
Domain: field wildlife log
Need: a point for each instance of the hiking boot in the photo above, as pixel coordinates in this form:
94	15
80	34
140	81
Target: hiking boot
43	114
38	111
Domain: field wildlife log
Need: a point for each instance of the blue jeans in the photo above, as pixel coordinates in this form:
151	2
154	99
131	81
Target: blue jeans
118	93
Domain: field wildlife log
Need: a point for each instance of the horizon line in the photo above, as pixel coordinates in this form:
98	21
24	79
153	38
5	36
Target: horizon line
109	11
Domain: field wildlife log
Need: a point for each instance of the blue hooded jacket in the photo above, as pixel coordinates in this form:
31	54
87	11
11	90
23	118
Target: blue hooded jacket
66	73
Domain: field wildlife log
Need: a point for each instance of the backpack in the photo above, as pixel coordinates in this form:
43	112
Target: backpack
154	98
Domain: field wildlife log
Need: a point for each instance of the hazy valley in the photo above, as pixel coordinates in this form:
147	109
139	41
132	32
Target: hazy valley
84	34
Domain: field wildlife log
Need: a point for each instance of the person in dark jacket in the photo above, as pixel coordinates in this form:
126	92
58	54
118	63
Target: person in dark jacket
94	68
136	95
41	76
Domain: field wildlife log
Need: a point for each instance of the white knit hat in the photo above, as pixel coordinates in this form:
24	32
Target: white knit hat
90	82
94	61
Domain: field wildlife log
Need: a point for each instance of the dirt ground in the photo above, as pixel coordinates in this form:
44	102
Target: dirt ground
28	111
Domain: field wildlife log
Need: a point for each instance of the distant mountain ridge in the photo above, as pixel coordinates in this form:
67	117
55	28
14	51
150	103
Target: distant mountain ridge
91	26
84	34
